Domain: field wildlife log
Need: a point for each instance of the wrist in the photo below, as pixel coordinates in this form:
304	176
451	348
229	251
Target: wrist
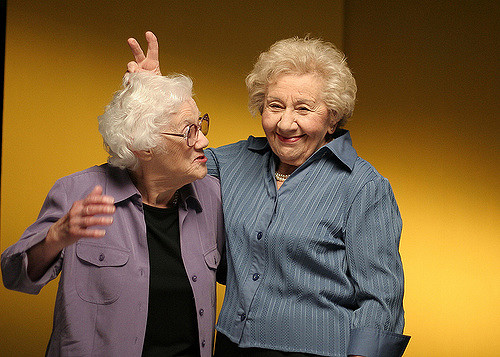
53	240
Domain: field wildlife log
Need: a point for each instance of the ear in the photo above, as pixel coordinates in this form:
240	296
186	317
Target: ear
334	121
144	155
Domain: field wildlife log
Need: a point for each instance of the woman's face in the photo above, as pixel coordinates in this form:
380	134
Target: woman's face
175	158
295	117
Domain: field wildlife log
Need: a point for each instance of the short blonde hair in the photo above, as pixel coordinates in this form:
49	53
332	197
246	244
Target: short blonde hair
303	56
132	120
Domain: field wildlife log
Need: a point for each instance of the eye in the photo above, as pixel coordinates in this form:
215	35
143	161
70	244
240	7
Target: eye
303	109
275	105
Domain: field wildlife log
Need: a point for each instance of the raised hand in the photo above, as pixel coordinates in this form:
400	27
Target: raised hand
94	210
149	62
84	215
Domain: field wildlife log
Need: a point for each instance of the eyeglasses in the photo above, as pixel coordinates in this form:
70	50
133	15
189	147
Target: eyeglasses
191	132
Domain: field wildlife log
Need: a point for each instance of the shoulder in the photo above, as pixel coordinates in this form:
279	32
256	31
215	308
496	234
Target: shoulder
250	144
208	190
364	179
367	184
89	173
207	184
364	172
83	181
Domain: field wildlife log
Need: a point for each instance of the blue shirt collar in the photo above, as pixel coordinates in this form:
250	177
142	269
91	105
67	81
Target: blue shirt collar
340	147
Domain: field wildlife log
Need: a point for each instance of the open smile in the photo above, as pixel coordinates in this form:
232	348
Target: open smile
289	139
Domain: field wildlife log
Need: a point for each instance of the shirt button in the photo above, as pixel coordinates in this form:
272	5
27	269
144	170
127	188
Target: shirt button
256	276
136	339
259	236
202	312
101	257
203	343
243	317
194	278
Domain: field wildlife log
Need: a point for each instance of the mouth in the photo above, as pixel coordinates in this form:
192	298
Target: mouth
289	139
201	159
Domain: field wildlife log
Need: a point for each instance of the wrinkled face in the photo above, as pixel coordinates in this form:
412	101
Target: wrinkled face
176	159
295	118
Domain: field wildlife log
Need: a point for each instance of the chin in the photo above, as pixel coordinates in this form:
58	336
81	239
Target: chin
202	173
291	160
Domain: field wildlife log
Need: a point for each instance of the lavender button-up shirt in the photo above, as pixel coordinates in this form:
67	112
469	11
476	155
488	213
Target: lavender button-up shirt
102	301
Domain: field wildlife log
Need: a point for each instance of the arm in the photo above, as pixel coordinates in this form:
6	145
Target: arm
373	230
149	62
212	163
94	210
39	252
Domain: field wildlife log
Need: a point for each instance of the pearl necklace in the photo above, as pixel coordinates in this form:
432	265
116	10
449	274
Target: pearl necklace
280	177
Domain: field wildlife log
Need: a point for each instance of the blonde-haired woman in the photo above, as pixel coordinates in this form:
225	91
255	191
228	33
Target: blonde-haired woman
312	230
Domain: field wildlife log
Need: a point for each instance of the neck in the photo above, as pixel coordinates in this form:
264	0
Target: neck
155	190
285	169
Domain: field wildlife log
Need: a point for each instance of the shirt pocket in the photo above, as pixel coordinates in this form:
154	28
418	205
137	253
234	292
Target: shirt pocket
212	258
100	272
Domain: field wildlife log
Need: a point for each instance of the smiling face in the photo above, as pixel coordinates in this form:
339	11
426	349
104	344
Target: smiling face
175	159
295	118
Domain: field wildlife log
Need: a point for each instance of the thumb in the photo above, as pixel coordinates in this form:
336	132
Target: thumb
132	67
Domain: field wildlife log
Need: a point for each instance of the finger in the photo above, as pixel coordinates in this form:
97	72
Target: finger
136	50
97	209
132	67
152	46
96	196
92	221
79	227
97	190
88	233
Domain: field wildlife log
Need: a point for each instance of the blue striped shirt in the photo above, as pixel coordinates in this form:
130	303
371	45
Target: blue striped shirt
313	267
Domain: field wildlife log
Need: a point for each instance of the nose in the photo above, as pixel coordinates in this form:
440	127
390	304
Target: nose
287	121
202	141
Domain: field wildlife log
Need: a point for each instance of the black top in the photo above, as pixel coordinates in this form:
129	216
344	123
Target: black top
172	325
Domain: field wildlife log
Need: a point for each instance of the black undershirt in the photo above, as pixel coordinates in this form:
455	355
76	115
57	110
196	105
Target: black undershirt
171	326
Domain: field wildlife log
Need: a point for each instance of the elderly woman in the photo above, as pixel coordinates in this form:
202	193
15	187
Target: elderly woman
138	240
312	230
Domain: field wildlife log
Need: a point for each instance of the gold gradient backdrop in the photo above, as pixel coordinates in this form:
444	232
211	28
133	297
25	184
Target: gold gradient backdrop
426	118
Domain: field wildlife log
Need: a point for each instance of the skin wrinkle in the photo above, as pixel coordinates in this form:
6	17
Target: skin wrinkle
295	119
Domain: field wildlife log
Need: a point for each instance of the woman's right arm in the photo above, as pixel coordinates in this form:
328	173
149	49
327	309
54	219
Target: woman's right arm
94	210
28	260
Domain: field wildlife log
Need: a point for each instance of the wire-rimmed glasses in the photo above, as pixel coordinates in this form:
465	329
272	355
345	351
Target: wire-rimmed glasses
191	132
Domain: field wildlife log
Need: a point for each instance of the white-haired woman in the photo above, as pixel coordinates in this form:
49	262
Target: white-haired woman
312	230
137	240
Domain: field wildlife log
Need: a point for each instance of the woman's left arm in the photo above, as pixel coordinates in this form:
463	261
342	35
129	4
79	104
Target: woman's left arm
372	234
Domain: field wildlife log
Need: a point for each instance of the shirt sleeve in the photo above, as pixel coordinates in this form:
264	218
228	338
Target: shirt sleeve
221	245
14	260
373	231
212	163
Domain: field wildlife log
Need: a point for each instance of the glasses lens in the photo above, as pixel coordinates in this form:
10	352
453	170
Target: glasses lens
192	134
204	124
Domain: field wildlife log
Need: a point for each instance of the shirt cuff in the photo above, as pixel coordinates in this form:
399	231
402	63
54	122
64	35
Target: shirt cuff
374	343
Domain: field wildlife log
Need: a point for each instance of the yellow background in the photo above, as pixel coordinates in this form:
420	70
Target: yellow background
426	117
